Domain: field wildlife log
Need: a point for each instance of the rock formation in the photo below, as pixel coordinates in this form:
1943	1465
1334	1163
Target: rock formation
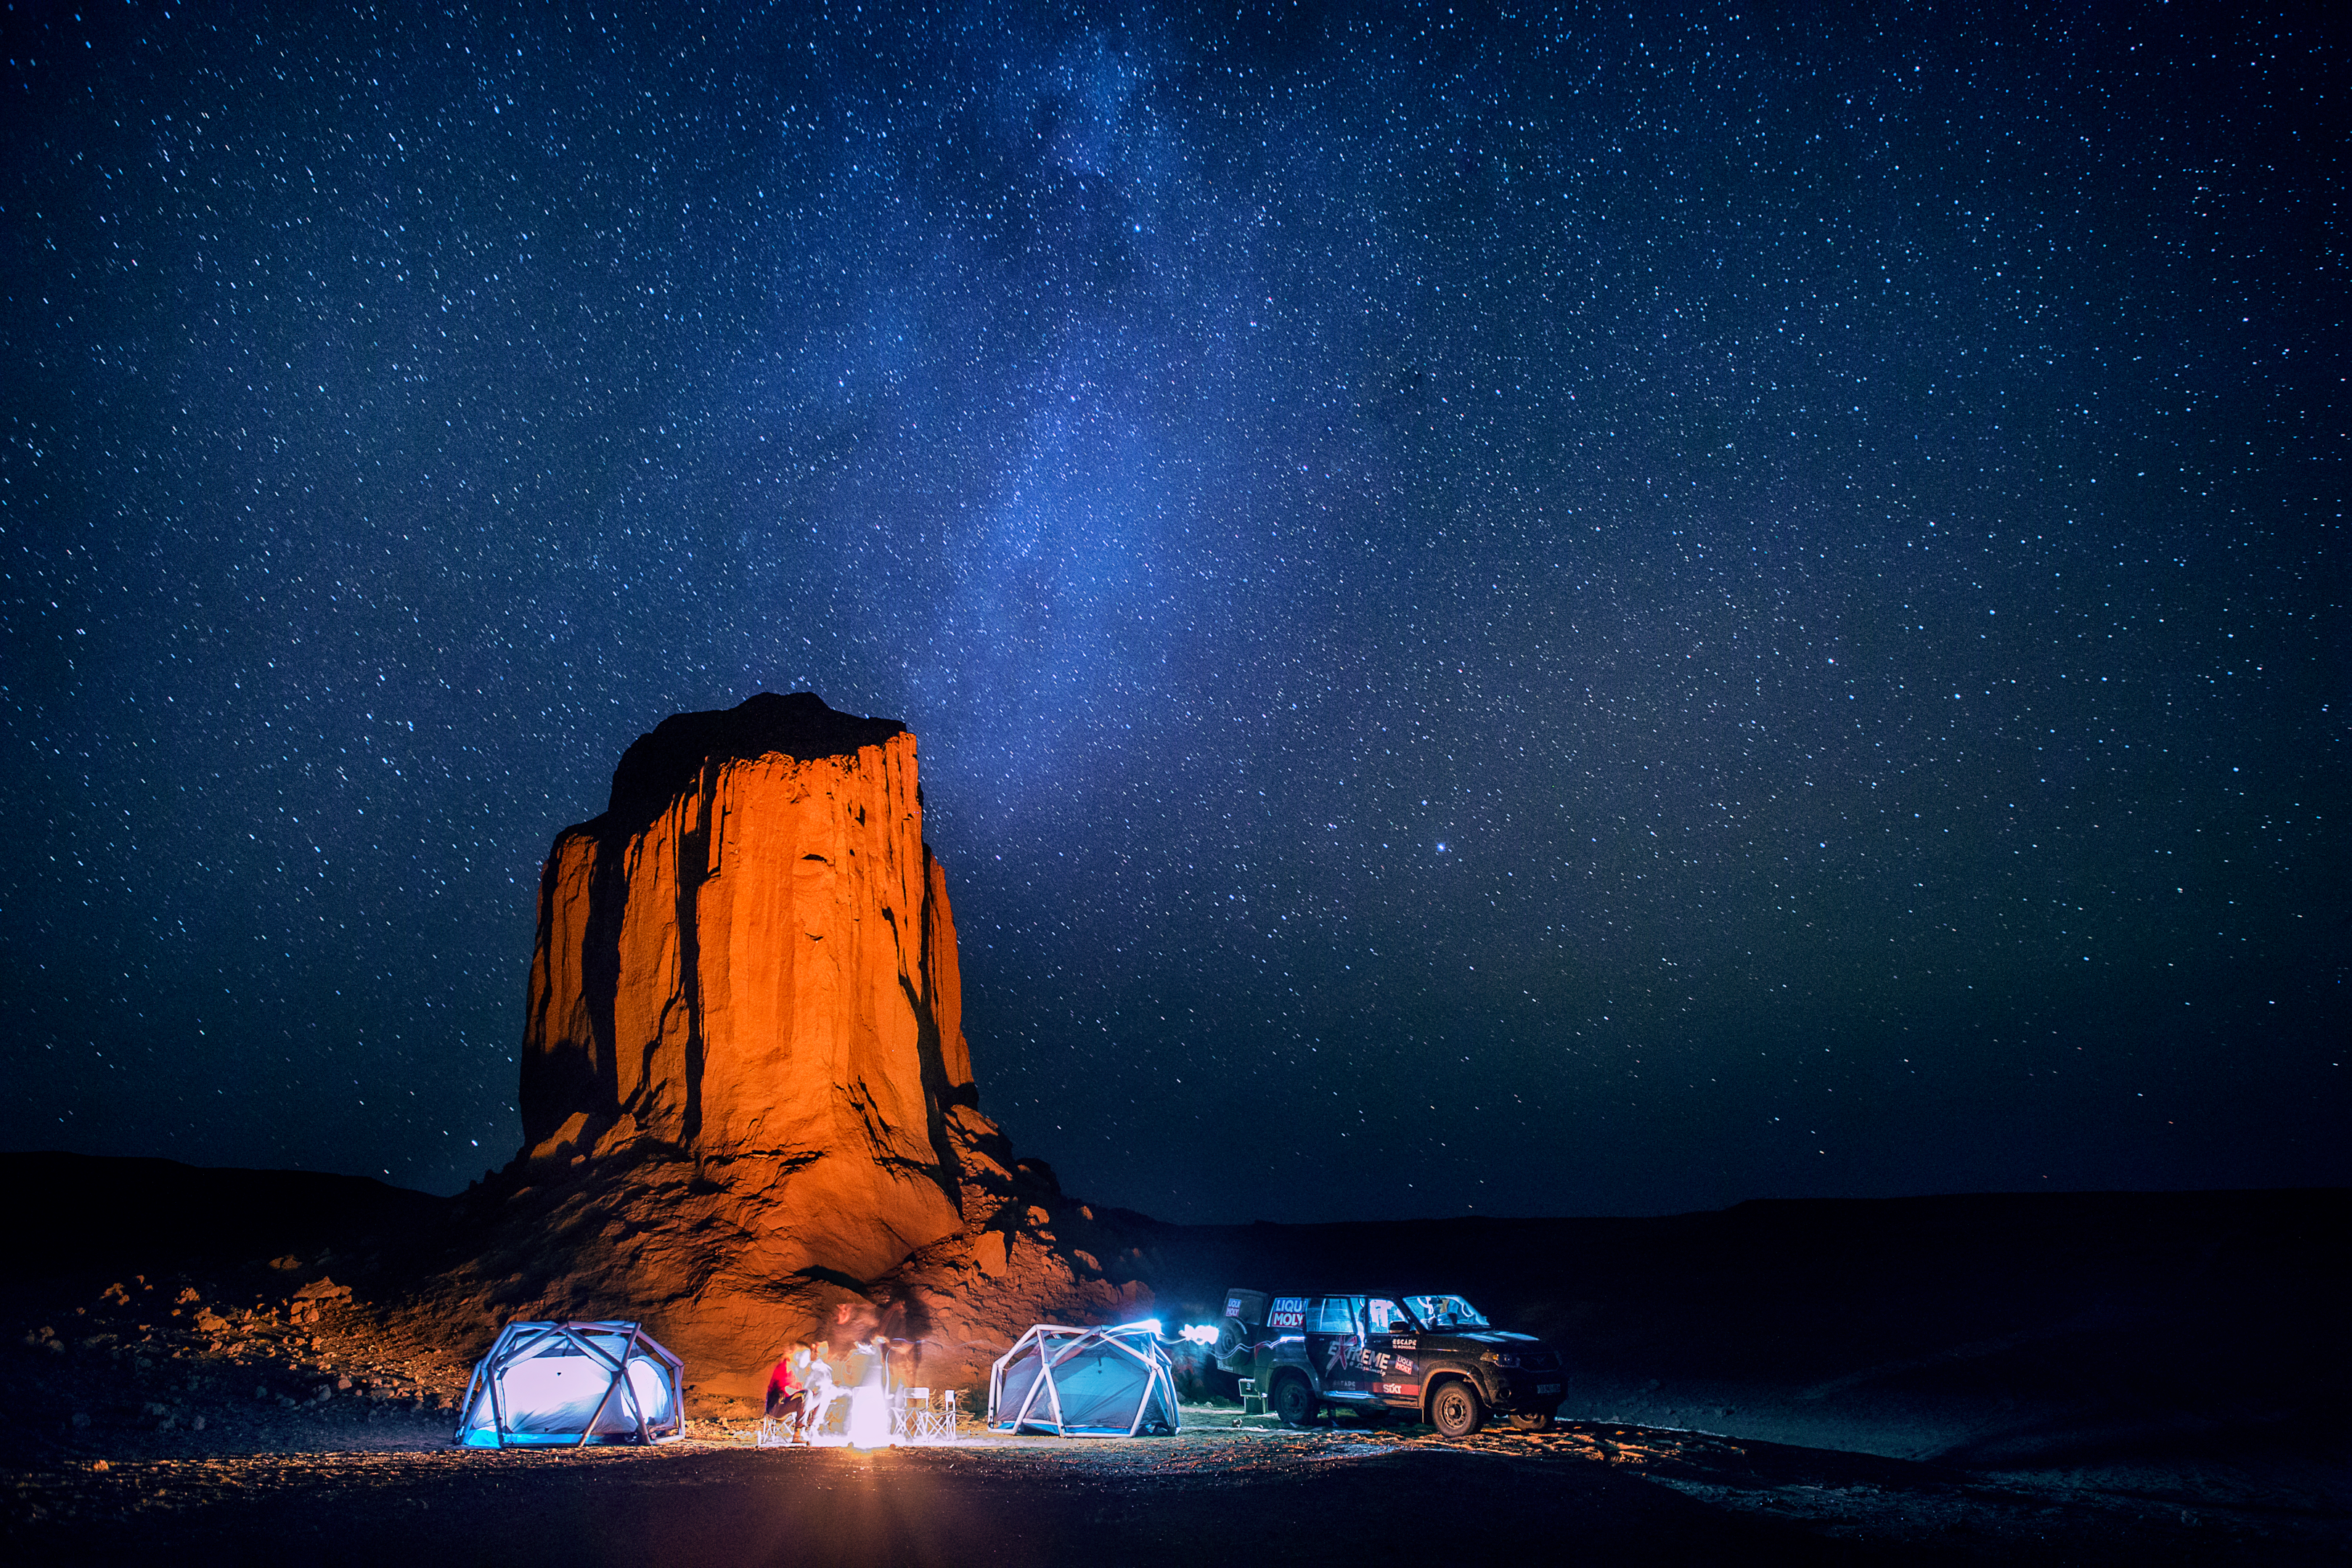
748	962
747	1102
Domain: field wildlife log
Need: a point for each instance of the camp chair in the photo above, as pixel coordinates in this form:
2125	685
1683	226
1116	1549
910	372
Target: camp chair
931	1424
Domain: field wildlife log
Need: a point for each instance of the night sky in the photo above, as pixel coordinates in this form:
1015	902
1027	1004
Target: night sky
1578	612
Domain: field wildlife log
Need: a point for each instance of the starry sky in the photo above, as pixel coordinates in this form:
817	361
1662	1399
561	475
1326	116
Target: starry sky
1566	610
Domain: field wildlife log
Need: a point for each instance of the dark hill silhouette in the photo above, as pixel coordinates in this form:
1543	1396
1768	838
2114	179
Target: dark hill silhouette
83	1212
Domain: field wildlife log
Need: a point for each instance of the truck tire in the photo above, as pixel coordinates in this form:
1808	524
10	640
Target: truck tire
1455	1409
1534	1423
1293	1402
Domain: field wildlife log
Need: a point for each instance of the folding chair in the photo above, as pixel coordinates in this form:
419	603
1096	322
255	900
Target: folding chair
935	1424
906	1404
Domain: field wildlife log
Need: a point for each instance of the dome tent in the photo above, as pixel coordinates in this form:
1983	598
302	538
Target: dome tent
1084	1383
576	1383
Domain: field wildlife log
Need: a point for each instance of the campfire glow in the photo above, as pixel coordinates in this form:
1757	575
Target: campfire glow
869	1418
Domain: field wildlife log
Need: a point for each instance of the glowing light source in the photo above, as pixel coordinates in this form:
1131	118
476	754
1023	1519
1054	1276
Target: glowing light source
1199	1333
869	1416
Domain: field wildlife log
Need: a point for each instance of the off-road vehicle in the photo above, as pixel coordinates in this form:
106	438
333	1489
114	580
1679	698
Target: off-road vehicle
1433	1357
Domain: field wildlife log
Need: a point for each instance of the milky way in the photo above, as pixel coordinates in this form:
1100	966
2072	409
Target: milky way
1578	612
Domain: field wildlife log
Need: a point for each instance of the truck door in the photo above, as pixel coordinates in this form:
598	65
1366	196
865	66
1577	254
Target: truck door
1335	1346
1391	1354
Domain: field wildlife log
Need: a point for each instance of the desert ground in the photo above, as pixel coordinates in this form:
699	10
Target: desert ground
2141	1379
317	1487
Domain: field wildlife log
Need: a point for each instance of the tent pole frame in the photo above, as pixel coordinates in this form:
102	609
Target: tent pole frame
1058	1342
619	1374
520	1341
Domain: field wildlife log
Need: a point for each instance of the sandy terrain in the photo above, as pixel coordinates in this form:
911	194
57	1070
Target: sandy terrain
1217	1492
2076	1395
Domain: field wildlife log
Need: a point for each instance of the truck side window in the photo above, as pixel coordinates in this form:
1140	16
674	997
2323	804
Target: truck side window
1381	1317
1331	1316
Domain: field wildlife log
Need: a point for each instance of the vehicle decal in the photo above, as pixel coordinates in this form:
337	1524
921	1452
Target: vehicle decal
1409	1390
1405	1342
1354	1353
1287	1312
1403	1367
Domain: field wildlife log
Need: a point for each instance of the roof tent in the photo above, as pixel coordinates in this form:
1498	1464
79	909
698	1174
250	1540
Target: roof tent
546	1384
1084	1383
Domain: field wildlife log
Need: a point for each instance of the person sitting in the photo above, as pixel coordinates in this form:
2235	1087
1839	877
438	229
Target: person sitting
787	1393
816	1399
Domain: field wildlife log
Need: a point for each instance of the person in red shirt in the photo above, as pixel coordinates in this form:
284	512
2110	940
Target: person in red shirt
787	1394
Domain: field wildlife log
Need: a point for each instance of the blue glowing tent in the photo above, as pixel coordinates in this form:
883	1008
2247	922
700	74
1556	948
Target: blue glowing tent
544	1385
1084	1383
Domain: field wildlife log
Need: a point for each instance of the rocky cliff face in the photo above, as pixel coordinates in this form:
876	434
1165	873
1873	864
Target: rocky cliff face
748	962
745	1088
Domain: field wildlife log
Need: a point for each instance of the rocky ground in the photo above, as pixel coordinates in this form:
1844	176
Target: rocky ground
345	1484
300	1425
2144	1382
174	1366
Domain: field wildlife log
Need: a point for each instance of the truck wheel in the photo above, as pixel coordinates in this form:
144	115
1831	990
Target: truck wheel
1294	1402
1534	1423
1456	1410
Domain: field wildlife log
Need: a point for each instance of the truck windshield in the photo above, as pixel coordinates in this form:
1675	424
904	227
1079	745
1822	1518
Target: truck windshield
1445	1311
